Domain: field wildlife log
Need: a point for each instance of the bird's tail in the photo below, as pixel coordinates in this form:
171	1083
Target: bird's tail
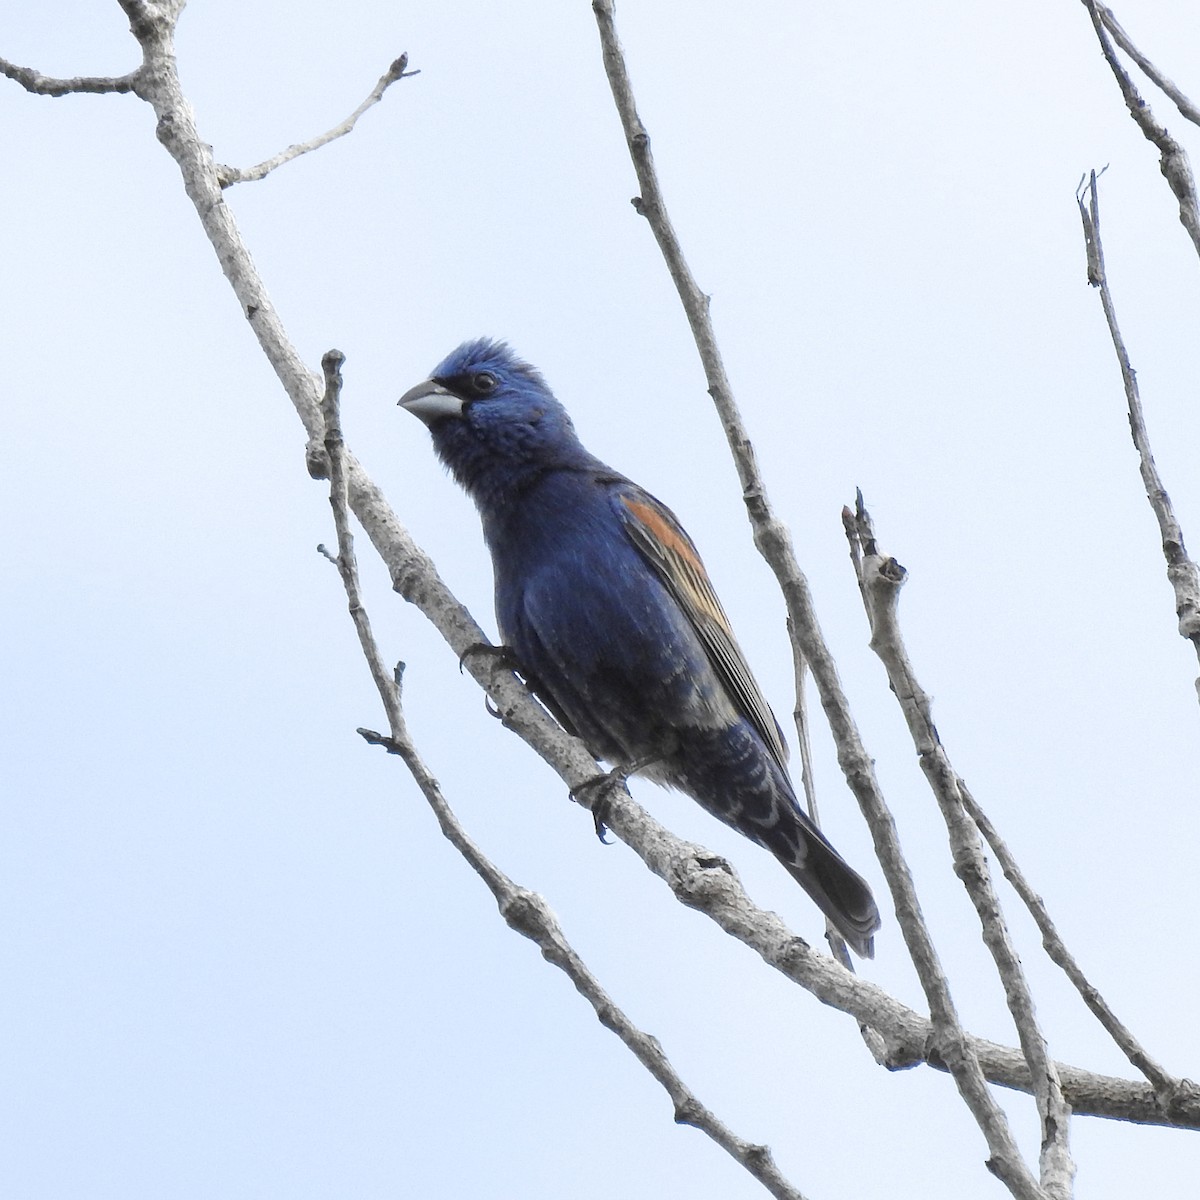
733	774
838	890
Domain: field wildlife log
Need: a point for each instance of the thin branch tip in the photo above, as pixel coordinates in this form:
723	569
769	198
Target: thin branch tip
1182	573
227	176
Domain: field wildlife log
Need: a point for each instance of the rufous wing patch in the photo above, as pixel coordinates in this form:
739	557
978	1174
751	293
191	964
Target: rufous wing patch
675	560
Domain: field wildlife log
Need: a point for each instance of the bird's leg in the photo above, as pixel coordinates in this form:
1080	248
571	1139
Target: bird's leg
601	788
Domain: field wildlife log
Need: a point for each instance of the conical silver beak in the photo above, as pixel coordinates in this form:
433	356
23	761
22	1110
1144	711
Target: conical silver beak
431	402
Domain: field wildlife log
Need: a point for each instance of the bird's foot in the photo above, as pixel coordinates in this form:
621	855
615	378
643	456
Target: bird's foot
596	795
606	784
503	656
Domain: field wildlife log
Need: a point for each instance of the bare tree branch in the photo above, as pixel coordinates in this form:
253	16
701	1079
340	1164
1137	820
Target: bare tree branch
1181	570
230	175
837	943
150	18
45	85
1185	106
1167	1088
880	580
772	538
1173	159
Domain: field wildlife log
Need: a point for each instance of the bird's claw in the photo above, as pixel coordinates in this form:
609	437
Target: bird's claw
601	828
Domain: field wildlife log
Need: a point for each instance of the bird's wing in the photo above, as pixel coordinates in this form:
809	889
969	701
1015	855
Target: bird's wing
660	538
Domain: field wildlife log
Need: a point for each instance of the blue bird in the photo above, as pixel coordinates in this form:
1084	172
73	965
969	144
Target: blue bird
609	611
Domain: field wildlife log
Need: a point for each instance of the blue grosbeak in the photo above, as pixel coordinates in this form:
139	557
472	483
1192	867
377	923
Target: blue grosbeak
604	601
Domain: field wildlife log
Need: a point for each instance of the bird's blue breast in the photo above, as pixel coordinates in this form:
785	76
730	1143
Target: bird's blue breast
591	623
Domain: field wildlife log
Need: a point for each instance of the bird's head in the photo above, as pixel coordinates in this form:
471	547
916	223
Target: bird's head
493	420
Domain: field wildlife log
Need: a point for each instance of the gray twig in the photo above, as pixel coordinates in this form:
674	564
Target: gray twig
1185	106
230	175
807	781
770	534
1181	570
1166	1087
1173	159
46	85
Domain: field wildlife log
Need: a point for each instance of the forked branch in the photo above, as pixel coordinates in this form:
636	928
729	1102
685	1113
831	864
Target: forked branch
1181	570
1173	159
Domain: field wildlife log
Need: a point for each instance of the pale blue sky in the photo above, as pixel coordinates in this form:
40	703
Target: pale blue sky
239	960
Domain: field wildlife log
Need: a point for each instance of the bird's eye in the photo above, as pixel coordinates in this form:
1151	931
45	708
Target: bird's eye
483	382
